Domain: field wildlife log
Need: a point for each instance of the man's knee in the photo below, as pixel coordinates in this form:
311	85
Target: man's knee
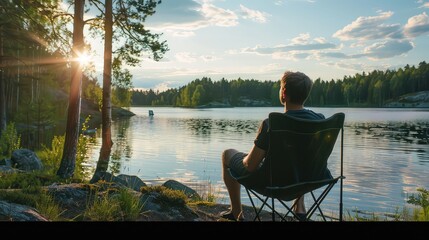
227	155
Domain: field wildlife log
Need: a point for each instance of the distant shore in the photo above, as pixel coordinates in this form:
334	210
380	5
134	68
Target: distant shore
412	100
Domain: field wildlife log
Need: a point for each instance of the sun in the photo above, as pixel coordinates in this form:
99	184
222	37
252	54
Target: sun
83	58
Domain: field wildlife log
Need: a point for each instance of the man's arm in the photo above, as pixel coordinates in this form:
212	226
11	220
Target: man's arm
254	158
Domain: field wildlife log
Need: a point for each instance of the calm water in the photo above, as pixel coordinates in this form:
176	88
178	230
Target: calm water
383	160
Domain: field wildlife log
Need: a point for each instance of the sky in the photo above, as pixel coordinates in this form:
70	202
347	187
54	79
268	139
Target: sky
255	39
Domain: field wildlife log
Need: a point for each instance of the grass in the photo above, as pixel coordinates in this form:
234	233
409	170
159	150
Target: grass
400	214
421	199
49	208
129	205
120	205
103	208
34	197
25	180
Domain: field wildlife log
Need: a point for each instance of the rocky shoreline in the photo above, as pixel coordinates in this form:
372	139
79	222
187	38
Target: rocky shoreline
74	200
169	201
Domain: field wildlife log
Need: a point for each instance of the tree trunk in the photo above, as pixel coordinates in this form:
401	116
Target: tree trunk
68	160
2	87
106	110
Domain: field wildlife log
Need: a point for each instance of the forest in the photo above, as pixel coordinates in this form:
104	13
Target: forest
45	76
372	89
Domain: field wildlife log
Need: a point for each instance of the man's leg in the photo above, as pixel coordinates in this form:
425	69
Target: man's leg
299	206
231	184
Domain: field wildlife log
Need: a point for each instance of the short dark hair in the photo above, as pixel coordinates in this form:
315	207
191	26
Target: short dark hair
298	86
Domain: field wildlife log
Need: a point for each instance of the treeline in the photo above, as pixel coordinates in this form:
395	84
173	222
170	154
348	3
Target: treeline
205	91
372	89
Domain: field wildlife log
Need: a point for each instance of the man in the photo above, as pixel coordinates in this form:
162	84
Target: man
295	88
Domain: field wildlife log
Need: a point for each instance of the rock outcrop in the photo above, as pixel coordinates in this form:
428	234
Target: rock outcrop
26	160
18	212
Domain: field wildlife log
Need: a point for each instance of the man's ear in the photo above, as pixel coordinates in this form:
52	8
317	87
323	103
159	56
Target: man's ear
284	94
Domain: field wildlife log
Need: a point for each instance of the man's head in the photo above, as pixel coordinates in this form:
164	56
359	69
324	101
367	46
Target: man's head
294	87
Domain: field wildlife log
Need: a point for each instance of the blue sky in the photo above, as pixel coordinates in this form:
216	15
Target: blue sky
257	39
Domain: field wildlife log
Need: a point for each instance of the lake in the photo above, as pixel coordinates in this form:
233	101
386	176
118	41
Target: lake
386	157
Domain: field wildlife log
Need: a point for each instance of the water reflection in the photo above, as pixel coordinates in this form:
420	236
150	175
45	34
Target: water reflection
198	126
122	147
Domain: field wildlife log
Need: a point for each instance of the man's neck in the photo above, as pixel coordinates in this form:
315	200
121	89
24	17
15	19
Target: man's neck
291	106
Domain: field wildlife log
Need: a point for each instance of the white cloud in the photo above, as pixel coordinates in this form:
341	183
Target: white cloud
417	25
182	33
388	49
370	28
183	17
300	47
233	51
163	73
209	58
254	15
355	67
278	2
332	55
320	40
218	16
379	50
271	67
425	5
292	55
301	39
289	48
162	87
185	57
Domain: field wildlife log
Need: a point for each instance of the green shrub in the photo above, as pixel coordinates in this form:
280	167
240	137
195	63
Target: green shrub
9	141
421	200
129	204
81	152
26	180
103	208
49	208
51	157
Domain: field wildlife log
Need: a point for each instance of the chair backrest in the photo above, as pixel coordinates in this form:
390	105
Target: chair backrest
299	148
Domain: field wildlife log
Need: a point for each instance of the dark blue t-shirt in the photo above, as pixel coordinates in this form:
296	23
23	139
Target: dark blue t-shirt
262	139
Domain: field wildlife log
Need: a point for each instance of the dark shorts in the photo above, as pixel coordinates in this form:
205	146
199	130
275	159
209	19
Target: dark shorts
236	164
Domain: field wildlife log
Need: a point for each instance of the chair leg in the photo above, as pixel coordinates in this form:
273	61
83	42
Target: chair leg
264	203
289	210
272	214
319	200
253	205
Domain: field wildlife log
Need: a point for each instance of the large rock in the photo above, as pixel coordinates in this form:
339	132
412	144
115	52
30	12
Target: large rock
26	160
175	185
71	197
5	162
128	181
18	212
156	209
106	176
133	182
7	169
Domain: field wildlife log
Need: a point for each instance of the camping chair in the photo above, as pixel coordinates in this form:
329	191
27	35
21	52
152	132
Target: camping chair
296	164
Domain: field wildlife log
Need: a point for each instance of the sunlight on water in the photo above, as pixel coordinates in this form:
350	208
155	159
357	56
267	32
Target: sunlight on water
384	159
